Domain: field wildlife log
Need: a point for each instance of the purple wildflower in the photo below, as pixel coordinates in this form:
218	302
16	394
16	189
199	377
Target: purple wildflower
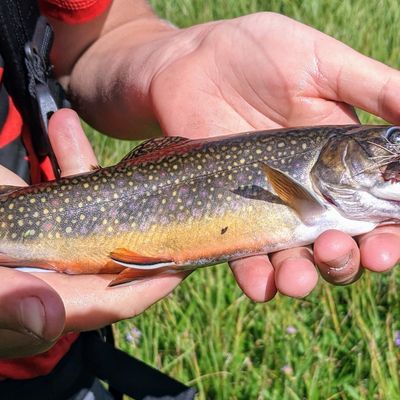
397	338
287	369
133	335
291	330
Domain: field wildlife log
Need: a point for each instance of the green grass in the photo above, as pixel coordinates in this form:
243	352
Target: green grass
340	341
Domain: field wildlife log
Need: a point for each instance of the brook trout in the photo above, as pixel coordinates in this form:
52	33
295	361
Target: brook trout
174	203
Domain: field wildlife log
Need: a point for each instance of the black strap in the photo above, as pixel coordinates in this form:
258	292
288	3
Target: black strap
25	42
129	375
17	24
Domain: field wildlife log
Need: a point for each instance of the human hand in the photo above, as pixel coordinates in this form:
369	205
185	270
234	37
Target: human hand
266	71
35	309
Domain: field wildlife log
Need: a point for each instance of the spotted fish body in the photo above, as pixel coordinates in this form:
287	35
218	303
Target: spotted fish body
175	203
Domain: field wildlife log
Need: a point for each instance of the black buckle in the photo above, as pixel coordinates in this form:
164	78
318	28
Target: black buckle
40	86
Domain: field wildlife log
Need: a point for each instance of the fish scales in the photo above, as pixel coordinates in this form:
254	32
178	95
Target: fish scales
176	183
191	201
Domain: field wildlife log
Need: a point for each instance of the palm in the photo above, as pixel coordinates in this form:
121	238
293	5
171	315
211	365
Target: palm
242	85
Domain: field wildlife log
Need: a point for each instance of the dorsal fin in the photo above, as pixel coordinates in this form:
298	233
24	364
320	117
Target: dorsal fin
7	189
154	144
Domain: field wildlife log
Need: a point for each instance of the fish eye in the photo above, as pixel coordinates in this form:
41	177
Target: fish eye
393	135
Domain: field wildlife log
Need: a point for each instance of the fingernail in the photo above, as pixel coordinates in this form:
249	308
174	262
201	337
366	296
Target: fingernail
32	316
339	263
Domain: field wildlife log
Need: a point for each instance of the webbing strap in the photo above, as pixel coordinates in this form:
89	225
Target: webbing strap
130	375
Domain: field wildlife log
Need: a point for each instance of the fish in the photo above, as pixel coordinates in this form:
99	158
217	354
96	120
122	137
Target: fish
175	204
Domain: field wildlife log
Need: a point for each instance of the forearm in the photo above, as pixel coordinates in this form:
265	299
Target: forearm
106	66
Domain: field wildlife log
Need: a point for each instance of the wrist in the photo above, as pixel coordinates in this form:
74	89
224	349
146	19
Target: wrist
111	81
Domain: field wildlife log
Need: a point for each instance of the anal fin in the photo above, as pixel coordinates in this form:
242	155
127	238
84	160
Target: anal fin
133	274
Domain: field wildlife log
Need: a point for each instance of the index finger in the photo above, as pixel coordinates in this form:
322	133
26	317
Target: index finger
345	75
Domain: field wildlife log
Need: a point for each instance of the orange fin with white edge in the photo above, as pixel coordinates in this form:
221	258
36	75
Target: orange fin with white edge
130	259
7	261
133	274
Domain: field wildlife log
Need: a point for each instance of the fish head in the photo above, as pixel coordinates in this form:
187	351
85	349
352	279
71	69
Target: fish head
359	172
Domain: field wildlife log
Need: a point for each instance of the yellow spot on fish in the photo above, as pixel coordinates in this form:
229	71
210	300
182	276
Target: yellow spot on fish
43	199
105	221
45	211
20	222
21	209
68	229
85	185
110	229
82	217
66	200
32	200
89	198
11	206
10	217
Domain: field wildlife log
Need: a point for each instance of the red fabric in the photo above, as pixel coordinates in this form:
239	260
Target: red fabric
12	126
73	11
42	364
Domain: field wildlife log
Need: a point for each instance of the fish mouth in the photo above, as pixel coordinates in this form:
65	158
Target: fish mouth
391	172
389	189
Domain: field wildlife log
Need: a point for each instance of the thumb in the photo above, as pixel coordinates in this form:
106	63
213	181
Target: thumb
71	146
347	76
32	314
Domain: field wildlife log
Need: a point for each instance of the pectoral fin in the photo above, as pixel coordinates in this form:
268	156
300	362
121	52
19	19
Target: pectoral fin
300	199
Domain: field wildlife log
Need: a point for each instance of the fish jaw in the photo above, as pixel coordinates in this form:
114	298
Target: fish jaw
388	191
